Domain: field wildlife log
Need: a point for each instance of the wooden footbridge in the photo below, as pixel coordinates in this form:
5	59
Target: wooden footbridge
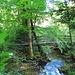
41	44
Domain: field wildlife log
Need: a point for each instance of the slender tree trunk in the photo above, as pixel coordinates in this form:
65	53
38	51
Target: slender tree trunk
39	47
30	37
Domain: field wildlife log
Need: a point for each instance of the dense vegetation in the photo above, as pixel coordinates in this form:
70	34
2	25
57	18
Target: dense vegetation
27	42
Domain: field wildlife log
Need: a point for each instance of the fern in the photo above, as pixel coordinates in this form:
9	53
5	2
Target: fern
4	56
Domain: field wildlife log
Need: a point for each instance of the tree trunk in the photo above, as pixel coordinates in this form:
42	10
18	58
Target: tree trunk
39	47
30	37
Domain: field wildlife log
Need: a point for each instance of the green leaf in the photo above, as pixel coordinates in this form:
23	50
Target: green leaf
1	41
2	37
4	60
5	54
1	16
2	65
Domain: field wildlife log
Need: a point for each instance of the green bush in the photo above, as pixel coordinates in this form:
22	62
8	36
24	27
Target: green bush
68	69
4	56
70	72
10	73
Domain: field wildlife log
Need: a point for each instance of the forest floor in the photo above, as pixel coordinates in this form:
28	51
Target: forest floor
34	66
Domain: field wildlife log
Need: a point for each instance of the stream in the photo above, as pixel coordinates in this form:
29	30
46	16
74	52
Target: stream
52	68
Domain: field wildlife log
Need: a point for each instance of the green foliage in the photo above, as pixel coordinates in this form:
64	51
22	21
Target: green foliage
10	73
2	37
3	73
14	73
53	33
65	11
72	24
68	69
30	8
4	56
71	72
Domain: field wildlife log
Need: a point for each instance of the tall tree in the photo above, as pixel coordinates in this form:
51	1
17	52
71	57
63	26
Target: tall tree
64	12
28	11
16	13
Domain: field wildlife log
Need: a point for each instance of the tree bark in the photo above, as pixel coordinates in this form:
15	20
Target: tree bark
37	43
30	37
